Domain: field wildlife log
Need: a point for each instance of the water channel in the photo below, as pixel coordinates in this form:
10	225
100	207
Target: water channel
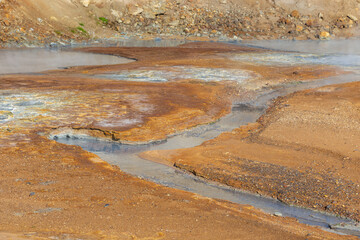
125	156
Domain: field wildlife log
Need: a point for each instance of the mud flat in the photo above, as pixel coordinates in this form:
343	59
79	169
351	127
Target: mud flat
53	190
303	151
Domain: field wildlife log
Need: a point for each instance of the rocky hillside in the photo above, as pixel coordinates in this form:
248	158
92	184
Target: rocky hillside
41	22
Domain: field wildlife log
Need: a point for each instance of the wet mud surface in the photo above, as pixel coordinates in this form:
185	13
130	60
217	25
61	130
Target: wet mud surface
109	109
303	151
50	189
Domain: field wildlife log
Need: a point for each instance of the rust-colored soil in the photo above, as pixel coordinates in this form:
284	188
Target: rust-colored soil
209	55
49	189
128	111
305	151
53	190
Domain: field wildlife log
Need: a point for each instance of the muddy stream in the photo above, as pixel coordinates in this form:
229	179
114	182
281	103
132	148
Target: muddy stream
126	156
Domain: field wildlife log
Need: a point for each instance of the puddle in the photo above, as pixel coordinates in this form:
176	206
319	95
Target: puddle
179	73
292	59
125	156
343	47
343	53
38	60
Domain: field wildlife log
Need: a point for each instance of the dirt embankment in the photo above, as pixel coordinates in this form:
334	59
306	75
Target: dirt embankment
41	22
304	151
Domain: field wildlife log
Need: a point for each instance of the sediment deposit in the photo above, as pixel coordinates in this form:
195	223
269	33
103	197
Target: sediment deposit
303	151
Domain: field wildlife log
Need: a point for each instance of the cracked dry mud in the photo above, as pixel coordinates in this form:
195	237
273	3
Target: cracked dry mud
54	190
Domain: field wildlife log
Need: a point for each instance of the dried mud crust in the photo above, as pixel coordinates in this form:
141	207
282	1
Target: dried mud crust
303	151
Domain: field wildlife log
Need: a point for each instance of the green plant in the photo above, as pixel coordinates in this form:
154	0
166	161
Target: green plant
104	20
81	30
81	24
58	32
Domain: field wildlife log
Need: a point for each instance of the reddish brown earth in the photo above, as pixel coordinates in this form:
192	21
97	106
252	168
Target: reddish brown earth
54	190
49	189
303	151
152	111
209	55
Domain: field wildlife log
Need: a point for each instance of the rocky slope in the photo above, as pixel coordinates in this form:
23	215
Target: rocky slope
30	22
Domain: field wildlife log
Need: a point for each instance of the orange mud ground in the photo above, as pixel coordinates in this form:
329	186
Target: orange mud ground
50	189
210	55
305	150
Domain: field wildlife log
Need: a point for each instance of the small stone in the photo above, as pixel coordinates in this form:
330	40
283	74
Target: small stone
149	14
328	207
278	214
309	23
352	17
295	14
324	35
85	3
299	28
174	23
284	21
134	10
117	14
6	22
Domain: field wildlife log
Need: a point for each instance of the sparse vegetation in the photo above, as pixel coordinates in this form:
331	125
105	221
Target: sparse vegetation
81	30
104	20
58	32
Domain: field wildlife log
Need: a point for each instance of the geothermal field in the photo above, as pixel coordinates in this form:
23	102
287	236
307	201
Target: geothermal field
179	119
